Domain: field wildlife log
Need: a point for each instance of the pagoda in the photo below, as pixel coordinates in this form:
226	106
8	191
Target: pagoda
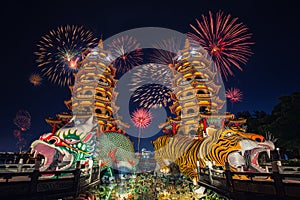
61	119
92	92
196	93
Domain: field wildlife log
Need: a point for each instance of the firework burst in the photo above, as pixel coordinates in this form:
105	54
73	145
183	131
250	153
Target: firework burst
226	40
23	120
59	52
141	118
35	79
234	95
164	51
126	53
151	73
152	95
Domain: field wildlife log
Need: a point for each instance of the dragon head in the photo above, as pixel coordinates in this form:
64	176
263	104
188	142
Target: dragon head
72	143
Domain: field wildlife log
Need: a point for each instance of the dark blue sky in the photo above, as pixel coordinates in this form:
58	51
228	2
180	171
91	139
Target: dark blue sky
272	71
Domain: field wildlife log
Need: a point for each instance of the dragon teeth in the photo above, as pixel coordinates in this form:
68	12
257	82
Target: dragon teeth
35	154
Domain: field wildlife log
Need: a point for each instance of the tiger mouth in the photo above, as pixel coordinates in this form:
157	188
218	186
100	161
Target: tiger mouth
247	160
54	158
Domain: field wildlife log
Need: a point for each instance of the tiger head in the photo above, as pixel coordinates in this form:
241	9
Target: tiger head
238	148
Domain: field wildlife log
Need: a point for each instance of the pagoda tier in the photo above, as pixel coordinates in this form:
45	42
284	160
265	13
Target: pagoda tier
60	120
93	89
216	120
195	89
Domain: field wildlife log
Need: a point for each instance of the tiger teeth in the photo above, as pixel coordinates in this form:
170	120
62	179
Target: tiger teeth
243	152
269	153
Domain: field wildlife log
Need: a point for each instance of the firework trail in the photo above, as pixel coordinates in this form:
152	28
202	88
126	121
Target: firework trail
152	95
21	143
126	53
17	134
225	39
59	52
141	118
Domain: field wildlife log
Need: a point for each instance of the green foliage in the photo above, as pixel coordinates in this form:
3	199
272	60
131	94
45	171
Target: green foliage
283	122
211	195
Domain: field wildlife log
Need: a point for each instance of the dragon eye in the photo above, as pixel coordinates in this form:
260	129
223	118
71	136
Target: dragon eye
71	141
229	134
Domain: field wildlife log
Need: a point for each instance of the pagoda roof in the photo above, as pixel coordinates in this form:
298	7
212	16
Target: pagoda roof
176	120
53	120
217	115
239	120
68	104
64	115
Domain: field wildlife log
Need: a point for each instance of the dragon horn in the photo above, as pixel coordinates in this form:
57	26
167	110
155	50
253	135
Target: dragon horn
87	127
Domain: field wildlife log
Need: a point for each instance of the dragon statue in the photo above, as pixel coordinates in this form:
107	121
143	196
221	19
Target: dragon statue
81	141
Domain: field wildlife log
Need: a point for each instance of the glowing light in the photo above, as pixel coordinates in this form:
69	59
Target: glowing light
234	95
126	53
141	118
225	39
151	73
23	120
152	95
60	50
165	51
35	79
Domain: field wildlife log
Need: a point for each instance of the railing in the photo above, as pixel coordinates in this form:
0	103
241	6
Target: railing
16	167
248	185
47	184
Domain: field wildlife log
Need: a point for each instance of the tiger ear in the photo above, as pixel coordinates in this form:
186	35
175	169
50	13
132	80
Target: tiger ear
210	131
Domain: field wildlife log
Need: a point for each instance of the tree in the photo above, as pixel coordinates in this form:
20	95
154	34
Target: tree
286	121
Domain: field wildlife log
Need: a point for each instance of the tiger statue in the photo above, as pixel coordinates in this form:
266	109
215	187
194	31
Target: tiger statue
236	147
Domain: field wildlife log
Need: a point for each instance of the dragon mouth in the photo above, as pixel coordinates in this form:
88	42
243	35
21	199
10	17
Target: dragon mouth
54	158
248	159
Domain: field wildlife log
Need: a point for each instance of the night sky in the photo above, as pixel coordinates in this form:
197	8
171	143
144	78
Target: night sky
271	72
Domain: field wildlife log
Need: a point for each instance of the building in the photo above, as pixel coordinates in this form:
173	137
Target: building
195	89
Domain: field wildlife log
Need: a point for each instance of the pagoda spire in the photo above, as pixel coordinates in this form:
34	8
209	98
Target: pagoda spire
186	44
100	43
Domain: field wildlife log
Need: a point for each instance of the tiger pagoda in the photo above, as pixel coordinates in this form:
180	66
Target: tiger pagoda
196	99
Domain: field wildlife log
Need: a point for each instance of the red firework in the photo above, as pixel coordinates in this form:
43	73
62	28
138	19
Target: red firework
23	120
126	52
141	118
17	134
234	95
225	39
